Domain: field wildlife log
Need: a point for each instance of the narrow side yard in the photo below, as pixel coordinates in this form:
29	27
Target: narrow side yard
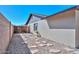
26	43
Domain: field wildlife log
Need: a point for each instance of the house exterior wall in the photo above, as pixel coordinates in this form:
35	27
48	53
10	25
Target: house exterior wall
31	25
6	31
62	23
64	36
62	28
34	19
65	20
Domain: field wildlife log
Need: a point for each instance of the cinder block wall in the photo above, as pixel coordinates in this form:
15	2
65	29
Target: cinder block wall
6	31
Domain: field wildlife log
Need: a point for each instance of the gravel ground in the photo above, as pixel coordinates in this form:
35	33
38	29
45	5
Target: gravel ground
16	46
25	43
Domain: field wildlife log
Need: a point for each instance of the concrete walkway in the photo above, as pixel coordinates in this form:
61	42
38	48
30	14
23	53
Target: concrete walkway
25	43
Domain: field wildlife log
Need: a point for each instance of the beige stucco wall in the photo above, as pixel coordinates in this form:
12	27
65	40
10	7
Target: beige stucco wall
63	36
65	20
34	19
62	28
62	23
5	33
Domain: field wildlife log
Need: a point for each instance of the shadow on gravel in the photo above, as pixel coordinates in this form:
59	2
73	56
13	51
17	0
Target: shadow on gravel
17	46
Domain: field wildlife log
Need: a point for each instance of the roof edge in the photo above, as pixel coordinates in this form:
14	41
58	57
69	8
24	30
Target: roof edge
61	11
35	16
28	19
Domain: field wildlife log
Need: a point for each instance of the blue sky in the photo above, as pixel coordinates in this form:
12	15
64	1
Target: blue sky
18	14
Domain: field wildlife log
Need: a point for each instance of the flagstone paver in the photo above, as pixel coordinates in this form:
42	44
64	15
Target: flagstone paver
54	51
34	51
45	46
26	43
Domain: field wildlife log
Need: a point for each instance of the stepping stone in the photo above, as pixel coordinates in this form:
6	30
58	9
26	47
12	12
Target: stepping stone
37	42
26	37
37	39
30	37
54	51
34	51
42	45
69	49
44	42
33	46
25	42
49	44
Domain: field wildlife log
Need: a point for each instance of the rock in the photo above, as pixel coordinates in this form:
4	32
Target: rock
34	51
54	51
68	49
25	42
41	45
36	39
44	42
25	37
33	46
49	44
37	42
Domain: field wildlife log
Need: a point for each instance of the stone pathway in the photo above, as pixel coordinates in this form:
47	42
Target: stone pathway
39	45
25	43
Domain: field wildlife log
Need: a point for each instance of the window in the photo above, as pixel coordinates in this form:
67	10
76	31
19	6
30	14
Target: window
35	26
